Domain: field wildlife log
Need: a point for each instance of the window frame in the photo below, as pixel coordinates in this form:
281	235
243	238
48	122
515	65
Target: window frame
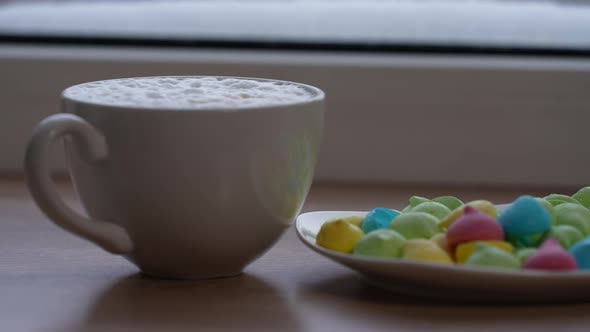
392	117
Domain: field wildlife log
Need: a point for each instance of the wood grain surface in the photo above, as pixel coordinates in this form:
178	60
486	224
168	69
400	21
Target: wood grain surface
52	281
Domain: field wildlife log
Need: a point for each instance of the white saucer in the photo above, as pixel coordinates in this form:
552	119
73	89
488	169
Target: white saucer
449	282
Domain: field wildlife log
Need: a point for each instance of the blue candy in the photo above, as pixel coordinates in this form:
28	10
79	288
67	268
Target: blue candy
379	218
525	216
581	251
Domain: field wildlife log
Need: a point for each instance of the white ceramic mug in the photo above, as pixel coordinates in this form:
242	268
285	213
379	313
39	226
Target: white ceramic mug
191	193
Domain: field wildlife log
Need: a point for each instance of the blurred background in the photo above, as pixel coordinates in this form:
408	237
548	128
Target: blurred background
449	92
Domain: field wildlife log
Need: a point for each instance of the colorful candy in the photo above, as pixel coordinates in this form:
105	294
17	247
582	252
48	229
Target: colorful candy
355	220
484	206
436	209
533	240
379	218
526	216
339	235
449	201
581	252
583	196
548	206
440	240
551	256
425	251
415	225
557	199
465	250
417	200
524	254
574	215
566	235
380	243
474	225
550	233
486	255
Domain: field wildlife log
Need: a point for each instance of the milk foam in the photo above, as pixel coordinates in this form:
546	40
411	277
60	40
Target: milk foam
187	92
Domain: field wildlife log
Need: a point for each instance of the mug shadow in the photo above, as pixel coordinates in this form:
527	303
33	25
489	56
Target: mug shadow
148	304
357	297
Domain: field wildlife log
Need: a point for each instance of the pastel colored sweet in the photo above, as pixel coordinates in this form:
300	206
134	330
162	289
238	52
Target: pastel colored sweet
436	209
355	220
581	252
533	240
566	235
474	225
552	257
444	230
379	218
583	196
486	255
484	206
441	240
525	216
557	199
524	254
414	200
417	200
415	225
548	206
425	251
380	243
339	235
574	215
465	250
449	201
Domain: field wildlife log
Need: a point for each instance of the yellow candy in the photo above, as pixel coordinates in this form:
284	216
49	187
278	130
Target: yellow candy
339	235
355	220
485	206
441	241
464	250
425	251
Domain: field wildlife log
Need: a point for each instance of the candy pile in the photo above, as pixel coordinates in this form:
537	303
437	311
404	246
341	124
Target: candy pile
550	233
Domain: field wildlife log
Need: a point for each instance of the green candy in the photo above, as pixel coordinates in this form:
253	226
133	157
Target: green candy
574	215
548	206
566	235
415	225
414	201
486	255
518	243
583	196
527	241
417	200
537	239
436	209
449	201
558	199
523	254
380	243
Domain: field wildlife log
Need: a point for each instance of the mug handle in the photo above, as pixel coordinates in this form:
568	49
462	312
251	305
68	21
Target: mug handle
111	237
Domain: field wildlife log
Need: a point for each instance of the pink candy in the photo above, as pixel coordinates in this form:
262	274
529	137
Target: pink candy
551	256
474	225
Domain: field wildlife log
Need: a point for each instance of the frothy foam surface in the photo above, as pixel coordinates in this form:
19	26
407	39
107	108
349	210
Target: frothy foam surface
184	92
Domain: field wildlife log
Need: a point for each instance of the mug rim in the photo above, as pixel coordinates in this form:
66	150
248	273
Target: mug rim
317	96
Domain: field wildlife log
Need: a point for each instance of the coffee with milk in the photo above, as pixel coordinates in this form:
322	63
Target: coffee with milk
187	177
189	92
